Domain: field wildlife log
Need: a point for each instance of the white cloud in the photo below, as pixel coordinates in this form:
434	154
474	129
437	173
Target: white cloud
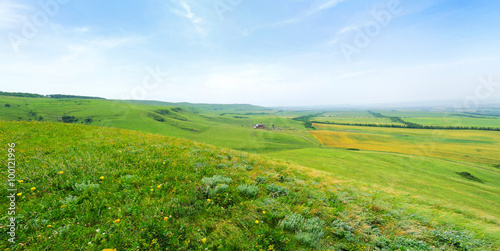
348	28
82	29
329	4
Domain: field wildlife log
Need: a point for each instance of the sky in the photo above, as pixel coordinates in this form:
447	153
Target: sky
261	52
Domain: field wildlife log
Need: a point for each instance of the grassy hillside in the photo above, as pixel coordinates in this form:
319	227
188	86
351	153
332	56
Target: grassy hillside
91	188
219	125
433	179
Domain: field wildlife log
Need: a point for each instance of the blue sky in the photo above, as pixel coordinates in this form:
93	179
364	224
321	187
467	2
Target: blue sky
271	53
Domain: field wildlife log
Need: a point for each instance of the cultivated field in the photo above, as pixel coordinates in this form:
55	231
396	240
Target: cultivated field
466	145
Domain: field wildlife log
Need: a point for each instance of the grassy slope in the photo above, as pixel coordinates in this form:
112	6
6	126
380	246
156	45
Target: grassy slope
98	188
431	178
205	125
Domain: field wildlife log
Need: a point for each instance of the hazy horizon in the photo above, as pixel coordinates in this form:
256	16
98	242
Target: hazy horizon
272	54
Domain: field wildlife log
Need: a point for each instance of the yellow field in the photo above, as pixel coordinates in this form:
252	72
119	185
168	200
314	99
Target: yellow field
468	145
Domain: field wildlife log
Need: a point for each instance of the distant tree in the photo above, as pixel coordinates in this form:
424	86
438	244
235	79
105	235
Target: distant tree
69	119
7	105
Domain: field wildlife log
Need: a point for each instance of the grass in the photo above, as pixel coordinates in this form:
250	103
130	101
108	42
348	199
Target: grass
439	183
197	122
98	188
351	117
433	180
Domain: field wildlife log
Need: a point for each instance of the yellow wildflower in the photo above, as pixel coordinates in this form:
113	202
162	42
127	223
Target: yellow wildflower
49	226
102	177
159	186
63	206
33	188
256	222
117	221
61	172
19	194
204	240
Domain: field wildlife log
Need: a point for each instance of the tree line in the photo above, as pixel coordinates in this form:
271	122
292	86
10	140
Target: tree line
33	95
413	125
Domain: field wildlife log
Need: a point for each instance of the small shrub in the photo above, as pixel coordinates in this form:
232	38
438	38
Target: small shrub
212	192
292	222
469	176
260	180
401	243
69	119
311	232
275	190
250	191
85	186
215	180
342	230
463	241
70	199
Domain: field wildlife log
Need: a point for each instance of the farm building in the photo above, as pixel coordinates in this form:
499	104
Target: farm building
260	126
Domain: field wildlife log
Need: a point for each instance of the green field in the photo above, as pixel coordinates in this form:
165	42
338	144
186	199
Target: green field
418	175
449	179
485	118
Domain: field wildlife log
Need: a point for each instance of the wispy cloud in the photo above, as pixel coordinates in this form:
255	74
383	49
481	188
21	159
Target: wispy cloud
186	12
323	6
11	13
313	10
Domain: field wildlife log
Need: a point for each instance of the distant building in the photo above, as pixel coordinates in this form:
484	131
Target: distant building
260	126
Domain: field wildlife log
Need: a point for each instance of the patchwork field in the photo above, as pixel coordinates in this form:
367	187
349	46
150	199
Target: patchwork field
351	117
467	145
486	118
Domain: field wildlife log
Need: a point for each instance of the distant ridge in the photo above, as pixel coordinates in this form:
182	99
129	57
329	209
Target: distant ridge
34	95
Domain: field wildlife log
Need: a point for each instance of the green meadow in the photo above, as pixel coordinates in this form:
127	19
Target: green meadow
149	175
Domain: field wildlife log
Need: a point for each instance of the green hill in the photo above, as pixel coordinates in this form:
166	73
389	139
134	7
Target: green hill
222	125
91	188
